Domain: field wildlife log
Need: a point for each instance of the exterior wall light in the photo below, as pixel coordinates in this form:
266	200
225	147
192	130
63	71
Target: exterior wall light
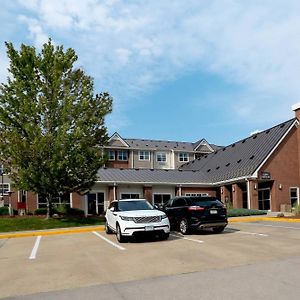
255	186
280	186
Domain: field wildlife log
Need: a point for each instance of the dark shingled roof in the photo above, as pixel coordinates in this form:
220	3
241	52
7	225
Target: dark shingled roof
242	158
151	176
163	145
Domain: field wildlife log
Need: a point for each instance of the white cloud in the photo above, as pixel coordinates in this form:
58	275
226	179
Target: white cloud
130	46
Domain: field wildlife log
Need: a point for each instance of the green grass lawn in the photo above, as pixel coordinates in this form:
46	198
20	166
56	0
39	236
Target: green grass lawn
8	224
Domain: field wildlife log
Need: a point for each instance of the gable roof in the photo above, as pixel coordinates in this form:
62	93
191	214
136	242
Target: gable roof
243	158
117	140
143	144
151	176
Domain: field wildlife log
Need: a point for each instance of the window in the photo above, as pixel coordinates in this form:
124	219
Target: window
196	194
111	155
122	155
183	157
161	157
144	155
264	199
4	189
57	200
130	196
161	198
294	196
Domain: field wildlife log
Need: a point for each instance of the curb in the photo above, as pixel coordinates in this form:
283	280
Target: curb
51	232
255	219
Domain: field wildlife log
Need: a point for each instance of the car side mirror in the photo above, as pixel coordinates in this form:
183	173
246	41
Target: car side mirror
112	209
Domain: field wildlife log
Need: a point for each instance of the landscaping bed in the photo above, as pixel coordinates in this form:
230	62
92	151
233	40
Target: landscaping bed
239	212
23	223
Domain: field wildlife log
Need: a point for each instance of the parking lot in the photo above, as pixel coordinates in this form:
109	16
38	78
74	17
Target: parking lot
47	263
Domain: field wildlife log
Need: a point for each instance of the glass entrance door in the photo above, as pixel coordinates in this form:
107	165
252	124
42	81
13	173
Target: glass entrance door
95	203
264	199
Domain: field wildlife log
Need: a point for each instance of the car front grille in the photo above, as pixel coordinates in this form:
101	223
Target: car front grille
153	219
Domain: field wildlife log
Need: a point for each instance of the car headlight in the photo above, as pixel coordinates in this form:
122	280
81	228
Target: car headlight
163	217
126	218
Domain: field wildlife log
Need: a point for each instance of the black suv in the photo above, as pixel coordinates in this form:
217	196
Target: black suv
187	213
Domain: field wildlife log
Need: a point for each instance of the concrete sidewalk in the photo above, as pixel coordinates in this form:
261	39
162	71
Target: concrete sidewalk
56	231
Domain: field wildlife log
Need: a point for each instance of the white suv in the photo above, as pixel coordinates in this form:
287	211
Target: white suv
128	217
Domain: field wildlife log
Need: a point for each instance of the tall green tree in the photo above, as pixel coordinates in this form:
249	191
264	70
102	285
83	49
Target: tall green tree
51	122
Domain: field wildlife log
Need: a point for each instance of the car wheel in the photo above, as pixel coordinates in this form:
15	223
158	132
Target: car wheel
184	226
107	229
120	237
164	236
218	229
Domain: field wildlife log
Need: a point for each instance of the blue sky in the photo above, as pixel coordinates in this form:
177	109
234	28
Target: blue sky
177	70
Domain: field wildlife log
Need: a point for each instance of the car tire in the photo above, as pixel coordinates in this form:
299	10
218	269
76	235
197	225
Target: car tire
184	226
218	229
164	236
107	229
120	237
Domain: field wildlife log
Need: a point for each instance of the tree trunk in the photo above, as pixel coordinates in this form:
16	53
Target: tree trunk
49	202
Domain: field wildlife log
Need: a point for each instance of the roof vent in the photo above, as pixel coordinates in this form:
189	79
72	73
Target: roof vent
254	137
205	156
215	152
227	165
243	141
224	149
252	157
233	145
121	168
137	169
208	170
239	161
268	131
147	145
282	125
218	167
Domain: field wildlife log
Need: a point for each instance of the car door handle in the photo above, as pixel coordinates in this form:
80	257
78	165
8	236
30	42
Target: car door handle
114	214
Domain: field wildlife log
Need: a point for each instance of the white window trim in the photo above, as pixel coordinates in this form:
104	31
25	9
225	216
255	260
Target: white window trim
144	151
109	155
122	151
130	194
161	154
187	157
160	194
8	188
196	194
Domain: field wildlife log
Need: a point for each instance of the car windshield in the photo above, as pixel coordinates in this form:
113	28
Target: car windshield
134	205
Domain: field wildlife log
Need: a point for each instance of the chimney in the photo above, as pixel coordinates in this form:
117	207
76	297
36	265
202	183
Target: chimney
296	109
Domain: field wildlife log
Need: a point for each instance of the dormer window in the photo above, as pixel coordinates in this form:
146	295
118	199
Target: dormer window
123	155
111	155
183	157
144	155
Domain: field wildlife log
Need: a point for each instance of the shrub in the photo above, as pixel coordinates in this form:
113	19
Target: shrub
40	211
237	212
296	209
4	211
75	212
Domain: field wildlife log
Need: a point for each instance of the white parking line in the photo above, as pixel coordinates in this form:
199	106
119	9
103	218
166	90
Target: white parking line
108	241
35	247
245	232
185	238
276	226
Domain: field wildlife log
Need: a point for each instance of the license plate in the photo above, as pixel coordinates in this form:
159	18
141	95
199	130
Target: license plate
149	228
213	211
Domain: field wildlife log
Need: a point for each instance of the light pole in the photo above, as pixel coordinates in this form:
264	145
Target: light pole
2	188
9	203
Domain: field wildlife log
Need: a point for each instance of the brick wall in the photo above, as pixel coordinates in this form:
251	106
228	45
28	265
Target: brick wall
283	166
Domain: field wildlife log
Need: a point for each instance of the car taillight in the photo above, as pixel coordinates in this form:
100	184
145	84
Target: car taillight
195	207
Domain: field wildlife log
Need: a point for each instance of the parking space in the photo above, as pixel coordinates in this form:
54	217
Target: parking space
33	264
